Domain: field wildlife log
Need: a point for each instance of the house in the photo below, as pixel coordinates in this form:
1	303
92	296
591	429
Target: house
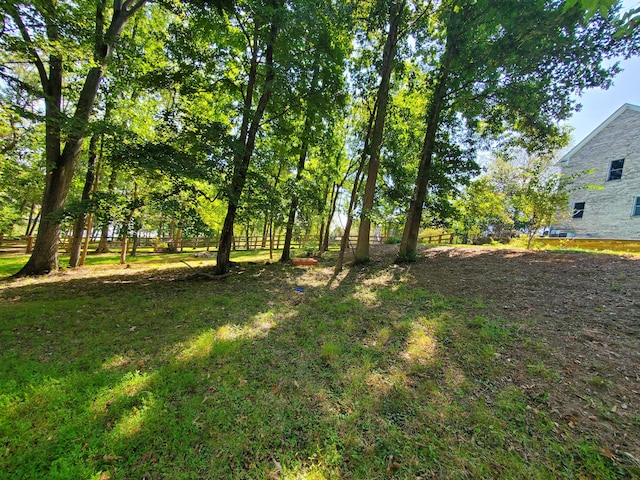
605	203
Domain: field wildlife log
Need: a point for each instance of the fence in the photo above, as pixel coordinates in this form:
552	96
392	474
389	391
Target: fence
251	242
168	244
440	238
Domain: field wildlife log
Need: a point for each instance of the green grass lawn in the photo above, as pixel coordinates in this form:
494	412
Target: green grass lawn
275	372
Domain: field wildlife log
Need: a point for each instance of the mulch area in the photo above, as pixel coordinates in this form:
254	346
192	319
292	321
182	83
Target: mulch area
583	312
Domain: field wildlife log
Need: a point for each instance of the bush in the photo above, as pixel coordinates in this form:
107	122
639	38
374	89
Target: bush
392	240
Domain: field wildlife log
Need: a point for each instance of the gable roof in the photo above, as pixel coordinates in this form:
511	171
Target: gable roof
627	106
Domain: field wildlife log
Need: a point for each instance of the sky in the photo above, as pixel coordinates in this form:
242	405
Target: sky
598	104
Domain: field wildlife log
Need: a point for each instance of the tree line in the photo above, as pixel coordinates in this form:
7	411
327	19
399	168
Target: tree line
260	116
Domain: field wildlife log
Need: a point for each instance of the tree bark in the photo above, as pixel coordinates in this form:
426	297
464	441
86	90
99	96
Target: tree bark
334	200
409	244
61	166
354	194
382	100
33	225
31	220
247	138
344	242
103	244
304	149
293	208
78	229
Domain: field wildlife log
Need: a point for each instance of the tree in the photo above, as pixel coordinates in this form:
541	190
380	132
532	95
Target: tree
318	90
21	176
510	64
261	40
395	15
482	210
534	191
42	33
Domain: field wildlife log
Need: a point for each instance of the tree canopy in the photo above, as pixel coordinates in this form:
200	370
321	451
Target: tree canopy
265	116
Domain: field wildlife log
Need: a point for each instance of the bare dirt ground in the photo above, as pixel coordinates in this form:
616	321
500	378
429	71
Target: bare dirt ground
581	311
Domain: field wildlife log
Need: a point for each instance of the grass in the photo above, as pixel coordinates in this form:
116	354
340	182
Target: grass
116	373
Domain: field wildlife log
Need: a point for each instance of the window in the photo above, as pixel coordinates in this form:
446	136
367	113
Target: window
578	210
636	207
615	169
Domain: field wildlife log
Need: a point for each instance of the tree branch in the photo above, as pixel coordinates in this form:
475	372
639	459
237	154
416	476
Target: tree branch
37	61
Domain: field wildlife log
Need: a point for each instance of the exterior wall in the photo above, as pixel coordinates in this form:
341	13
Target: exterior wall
608	211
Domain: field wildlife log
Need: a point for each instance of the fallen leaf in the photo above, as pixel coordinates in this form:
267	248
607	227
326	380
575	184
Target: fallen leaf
108	458
275	389
607	453
105	476
391	465
296	384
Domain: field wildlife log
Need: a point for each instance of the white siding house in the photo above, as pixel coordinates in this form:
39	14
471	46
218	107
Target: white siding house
612	152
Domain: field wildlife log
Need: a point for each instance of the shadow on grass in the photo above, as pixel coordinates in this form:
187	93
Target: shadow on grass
275	372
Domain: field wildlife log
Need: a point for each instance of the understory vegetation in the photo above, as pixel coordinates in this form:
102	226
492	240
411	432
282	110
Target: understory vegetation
156	371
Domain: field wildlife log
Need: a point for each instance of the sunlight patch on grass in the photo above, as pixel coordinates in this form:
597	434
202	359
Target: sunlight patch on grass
422	345
366	296
220	340
116	361
262	323
131	385
313	473
132	423
383	279
203	345
379	383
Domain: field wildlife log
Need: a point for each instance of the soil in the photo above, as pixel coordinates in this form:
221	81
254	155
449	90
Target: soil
582	310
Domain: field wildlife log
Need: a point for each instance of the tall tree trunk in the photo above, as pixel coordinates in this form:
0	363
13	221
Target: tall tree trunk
332	211
32	212
78	229
61	165
325	196
271	239
347	228
125	227
302	158
265	231
248	132
354	194
293	208
364	232
33	225
135	239
103	244
85	245
409	244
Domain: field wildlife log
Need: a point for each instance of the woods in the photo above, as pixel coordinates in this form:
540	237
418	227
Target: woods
262	117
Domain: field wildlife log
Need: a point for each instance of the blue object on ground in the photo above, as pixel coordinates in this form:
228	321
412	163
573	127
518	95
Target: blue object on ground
299	289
